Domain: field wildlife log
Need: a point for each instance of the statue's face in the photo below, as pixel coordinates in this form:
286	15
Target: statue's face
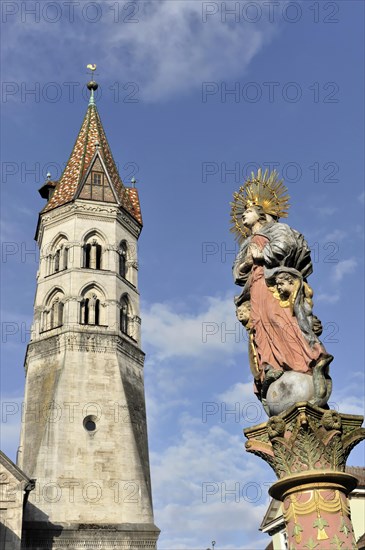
284	286
250	216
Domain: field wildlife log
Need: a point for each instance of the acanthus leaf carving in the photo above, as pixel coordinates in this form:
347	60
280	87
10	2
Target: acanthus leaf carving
305	438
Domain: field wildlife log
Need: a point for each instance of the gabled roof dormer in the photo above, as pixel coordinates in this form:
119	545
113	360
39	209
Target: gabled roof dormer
97	185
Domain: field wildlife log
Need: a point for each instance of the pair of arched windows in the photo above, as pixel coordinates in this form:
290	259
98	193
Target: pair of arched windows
93	307
92	258
90	311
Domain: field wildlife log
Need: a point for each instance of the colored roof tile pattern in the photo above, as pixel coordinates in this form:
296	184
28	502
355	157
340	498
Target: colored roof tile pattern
134	199
92	133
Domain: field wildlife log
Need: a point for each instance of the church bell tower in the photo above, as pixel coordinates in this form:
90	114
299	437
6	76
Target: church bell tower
84	432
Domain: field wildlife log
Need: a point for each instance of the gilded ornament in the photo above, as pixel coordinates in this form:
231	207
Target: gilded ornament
264	190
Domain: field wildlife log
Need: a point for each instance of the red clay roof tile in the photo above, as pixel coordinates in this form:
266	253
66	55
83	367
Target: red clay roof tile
92	132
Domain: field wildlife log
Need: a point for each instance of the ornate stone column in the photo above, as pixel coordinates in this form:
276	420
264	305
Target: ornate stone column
307	447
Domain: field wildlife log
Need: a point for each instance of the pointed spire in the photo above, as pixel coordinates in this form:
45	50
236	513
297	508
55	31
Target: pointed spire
92	139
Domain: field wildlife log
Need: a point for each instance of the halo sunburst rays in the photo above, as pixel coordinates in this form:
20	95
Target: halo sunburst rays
263	189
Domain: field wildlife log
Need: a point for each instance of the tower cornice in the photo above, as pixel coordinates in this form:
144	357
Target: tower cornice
86	340
96	210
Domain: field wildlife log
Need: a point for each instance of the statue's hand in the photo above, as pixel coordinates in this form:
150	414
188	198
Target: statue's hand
316	326
246	265
255	252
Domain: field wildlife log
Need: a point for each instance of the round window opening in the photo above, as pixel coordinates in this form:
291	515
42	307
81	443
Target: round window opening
90	423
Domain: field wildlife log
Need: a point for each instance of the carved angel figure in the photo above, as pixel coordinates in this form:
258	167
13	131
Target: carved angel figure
275	304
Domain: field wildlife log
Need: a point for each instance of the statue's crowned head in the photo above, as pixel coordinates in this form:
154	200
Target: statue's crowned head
266	193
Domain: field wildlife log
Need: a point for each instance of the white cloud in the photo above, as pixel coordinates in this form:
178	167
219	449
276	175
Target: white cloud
349	397
350	404
344	267
182	353
198	465
193	482
327	298
213	331
237	392
220	521
173	50
166	47
197	459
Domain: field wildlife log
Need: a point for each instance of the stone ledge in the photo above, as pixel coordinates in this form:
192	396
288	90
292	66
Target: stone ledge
124	536
311	480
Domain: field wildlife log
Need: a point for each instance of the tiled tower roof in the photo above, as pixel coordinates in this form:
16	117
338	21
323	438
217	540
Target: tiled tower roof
91	134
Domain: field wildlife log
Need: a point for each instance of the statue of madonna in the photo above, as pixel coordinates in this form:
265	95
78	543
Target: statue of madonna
288	361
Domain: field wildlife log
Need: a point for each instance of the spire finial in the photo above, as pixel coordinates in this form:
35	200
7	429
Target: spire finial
92	85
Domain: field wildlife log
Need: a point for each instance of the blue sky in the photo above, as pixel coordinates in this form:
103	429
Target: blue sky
166	70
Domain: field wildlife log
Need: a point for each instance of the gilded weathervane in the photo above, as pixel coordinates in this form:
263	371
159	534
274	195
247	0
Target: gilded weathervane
92	85
92	69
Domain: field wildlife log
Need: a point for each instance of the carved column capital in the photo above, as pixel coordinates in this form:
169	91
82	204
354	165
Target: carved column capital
307	447
306	437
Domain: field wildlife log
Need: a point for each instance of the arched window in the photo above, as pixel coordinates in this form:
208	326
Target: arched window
52	316
124	315
92	308
92	255
57	256
123	259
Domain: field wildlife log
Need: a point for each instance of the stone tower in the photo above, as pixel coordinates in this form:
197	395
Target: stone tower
84	433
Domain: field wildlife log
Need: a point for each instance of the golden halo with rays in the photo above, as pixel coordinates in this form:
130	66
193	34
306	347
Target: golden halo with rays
263	189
